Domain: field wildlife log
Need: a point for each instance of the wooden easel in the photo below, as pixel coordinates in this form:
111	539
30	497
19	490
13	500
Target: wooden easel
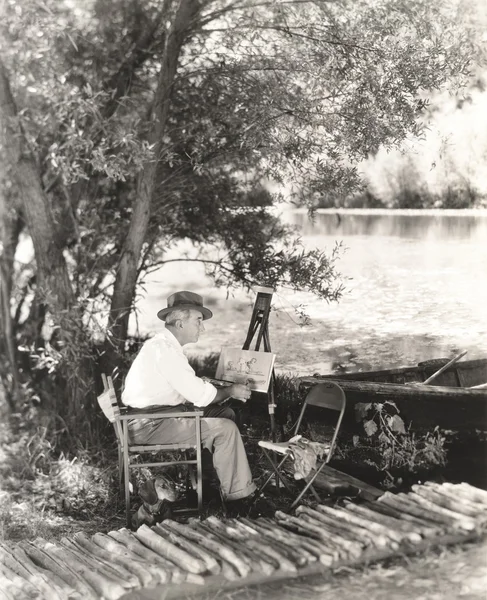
259	325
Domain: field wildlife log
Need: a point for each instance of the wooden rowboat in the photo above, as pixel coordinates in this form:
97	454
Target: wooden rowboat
452	401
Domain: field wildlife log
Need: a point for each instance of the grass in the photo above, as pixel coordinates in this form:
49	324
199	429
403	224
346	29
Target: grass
44	495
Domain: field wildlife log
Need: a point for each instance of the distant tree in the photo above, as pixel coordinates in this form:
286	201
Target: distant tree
128	125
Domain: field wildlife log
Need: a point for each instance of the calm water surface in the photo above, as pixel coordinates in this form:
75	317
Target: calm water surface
415	289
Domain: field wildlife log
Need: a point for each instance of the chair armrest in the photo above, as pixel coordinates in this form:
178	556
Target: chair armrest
165	415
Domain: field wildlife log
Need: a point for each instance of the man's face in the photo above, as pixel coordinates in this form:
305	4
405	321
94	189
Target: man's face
192	327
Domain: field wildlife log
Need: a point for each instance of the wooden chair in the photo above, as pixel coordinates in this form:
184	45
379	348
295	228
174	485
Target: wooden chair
119	417
327	395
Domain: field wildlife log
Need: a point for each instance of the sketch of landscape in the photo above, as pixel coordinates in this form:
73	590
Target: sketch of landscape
246	366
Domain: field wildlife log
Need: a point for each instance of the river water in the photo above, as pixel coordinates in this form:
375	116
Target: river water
416	288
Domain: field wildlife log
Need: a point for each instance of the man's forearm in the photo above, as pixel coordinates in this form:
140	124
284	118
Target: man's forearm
236	390
222	394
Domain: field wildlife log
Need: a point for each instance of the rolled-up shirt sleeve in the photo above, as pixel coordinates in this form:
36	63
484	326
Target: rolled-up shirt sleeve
181	376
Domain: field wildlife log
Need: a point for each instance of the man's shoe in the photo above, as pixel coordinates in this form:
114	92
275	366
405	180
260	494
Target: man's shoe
261	507
240	507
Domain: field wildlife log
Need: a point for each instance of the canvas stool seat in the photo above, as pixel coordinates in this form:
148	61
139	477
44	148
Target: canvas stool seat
119	417
277	447
327	395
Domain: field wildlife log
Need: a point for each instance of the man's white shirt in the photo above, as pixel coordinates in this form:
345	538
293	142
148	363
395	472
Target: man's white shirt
162	375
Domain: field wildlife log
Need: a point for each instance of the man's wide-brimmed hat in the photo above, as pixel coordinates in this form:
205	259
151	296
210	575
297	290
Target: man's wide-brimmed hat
182	301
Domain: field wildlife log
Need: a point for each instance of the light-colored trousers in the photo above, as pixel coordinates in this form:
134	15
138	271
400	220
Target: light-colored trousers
219	435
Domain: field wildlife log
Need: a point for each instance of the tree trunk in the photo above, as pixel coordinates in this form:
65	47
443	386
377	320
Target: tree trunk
126	279
53	284
10	227
52	272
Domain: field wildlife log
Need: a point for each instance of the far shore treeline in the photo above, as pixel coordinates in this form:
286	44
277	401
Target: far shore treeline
127	126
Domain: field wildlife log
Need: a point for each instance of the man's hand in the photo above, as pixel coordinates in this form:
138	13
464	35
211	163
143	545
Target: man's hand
240	392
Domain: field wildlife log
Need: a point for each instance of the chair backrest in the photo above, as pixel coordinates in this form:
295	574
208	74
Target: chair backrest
109	404
326	395
330	395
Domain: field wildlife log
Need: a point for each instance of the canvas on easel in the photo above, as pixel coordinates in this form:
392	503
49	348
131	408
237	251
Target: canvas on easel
248	367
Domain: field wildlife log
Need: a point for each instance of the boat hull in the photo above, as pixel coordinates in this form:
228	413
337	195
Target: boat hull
446	403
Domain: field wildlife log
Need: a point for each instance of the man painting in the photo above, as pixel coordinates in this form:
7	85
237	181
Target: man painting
161	378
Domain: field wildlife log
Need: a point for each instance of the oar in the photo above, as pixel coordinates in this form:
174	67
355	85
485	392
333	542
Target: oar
482	386
444	367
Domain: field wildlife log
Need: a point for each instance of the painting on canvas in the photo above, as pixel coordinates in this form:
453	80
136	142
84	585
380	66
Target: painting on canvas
246	366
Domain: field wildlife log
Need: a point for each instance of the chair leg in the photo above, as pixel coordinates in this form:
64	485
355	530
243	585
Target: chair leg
315	493
223	503
275	468
120	470
199	468
126	474
309	485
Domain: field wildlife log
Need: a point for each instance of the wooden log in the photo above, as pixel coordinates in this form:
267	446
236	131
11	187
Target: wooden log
430	530
11	590
52	580
285	557
227	570
255	561
295	554
107	542
107	570
407	529
25	571
5	594
98	557
299	528
444	500
143	575
176	574
476	493
286	543
459	491
238	549
458	520
340	528
325	552
211	564
167	570
355	520
352	548
405	504
169	551
451	492
204	540
9	578
423	407
106	586
257	544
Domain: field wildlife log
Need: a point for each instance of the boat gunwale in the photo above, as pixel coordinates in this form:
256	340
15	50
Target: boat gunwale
463	365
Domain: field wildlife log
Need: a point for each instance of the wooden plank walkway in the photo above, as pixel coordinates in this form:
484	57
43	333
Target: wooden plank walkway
172	560
218	584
